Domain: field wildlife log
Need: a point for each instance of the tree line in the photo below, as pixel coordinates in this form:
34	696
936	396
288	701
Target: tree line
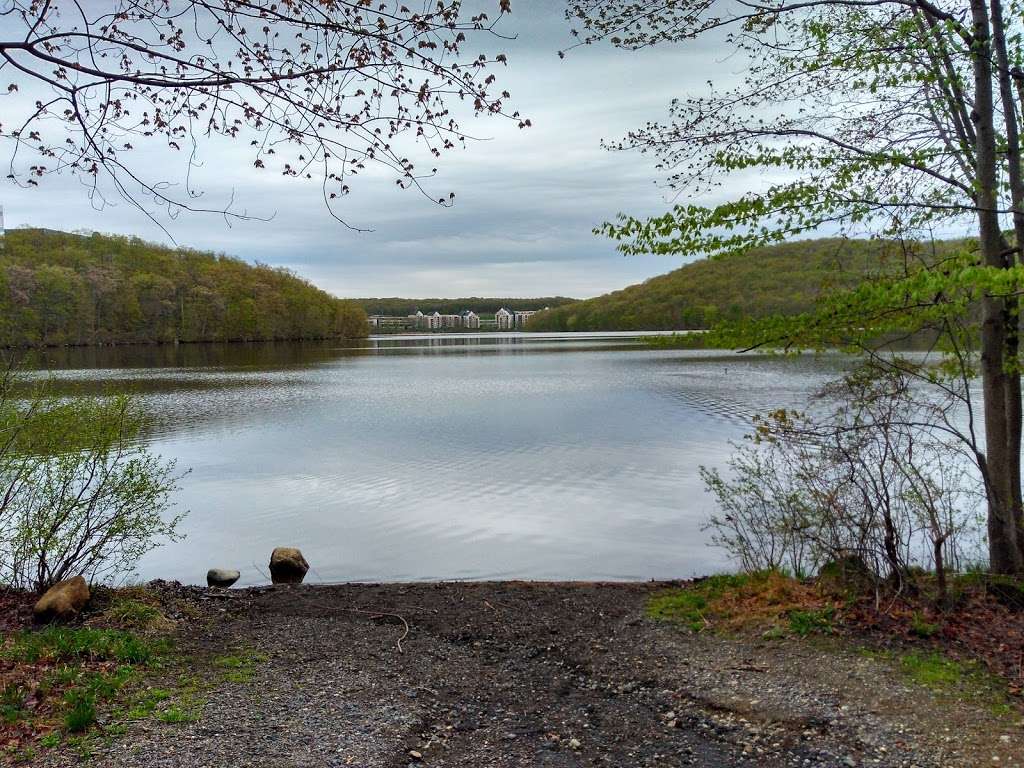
59	288
783	279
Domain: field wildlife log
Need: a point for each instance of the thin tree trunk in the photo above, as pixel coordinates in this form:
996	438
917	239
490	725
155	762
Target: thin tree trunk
1004	552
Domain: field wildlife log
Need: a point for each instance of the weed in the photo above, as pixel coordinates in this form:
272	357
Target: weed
804	623
922	628
12	703
51	740
81	712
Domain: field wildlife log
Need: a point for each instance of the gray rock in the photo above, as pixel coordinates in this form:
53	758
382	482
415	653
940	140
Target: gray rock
287	566
221	577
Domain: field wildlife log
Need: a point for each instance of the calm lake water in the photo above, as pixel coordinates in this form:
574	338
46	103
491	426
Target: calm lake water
446	457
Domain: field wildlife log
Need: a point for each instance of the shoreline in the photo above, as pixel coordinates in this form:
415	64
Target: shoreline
510	674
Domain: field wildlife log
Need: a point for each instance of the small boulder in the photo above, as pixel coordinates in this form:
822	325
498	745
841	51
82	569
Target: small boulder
63	600
221	577
287	566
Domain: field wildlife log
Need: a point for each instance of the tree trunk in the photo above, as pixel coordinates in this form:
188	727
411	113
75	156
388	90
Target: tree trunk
1013	256
1004	551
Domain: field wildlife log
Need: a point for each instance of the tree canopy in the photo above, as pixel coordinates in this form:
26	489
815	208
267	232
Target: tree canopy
784	279
60	288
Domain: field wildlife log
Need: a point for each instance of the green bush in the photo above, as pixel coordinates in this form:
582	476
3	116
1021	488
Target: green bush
79	492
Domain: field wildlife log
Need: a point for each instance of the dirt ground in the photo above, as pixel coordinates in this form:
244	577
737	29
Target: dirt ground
533	674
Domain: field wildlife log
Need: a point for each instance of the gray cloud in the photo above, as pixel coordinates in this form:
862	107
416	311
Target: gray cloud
526	200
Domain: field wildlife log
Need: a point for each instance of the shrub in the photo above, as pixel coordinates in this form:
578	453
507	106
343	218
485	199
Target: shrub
872	479
79	492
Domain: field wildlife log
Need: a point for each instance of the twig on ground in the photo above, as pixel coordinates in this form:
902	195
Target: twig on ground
373	613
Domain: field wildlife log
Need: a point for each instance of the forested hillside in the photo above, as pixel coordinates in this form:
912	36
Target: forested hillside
61	288
401	307
781	279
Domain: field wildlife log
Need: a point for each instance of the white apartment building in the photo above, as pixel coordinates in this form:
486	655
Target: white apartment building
522	316
505	320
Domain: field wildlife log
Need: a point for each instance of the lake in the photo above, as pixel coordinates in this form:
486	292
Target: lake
537	456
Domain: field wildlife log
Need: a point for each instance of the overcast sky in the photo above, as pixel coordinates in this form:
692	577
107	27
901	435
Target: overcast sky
526	199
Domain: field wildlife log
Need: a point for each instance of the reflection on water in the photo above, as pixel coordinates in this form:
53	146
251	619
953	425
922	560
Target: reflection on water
463	456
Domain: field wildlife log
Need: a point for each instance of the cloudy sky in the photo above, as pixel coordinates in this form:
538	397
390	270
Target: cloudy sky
526	199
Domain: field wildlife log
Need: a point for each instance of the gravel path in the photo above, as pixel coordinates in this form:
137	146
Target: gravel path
516	674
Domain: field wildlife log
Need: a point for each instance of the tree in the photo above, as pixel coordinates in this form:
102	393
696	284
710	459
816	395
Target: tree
58	288
319	89
79	492
889	116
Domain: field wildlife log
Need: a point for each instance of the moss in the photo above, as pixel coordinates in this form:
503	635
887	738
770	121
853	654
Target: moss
239	667
932	670
946	676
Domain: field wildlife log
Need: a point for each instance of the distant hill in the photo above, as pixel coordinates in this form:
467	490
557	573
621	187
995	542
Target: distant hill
781	279
403	307
60	288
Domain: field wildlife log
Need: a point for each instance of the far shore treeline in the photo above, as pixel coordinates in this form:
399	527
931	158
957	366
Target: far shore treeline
59	288
783	279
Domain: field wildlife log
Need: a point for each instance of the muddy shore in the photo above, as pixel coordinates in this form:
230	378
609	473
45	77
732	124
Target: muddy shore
534	674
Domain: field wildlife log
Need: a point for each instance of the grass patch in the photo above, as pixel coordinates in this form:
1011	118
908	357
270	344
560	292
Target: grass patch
188	710
951	677
72	674
12	703
146	703
81	710
733	601
137	615
62	644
